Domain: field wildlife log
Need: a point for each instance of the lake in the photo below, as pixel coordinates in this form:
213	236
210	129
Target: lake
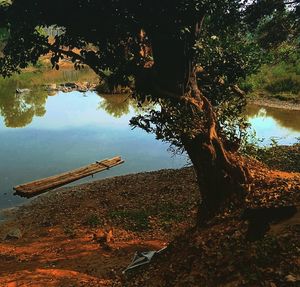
281	125
43	135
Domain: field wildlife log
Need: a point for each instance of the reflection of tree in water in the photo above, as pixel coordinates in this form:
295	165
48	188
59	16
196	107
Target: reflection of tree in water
118	105
18	110
284	117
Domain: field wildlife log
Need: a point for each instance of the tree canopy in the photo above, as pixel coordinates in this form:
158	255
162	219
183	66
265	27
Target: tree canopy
120	30
114	28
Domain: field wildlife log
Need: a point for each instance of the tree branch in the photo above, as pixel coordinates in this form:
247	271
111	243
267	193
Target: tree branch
75	56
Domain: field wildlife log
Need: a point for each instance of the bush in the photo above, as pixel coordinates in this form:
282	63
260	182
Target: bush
288	84
285	158
280	81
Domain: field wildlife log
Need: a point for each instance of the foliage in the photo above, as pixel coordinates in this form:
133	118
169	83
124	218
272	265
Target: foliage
276	30
3	34
5	2
280	80
224	60
288	84
152	47
286	158
274	22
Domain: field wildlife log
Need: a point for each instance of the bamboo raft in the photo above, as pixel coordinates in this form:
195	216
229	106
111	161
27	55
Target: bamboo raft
36	187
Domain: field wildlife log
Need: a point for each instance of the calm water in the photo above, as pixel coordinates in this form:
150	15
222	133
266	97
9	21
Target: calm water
273	123
46	136
42	135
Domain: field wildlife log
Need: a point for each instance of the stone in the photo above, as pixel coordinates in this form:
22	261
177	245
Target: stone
14	233
290	278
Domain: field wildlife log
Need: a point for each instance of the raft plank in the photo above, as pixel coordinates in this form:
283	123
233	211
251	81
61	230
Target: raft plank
36	187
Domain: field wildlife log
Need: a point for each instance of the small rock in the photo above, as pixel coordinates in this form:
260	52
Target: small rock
290	278
14	233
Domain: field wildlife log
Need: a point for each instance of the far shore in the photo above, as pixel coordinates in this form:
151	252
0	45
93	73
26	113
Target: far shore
274	103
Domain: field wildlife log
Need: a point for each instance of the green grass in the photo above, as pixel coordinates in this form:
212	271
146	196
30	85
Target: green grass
93	220
280	81
285	158
135	220
70	231
139	219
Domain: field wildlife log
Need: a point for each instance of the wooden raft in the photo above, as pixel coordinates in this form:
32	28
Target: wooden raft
36	187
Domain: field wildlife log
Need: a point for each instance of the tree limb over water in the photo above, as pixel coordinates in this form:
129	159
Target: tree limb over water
156	48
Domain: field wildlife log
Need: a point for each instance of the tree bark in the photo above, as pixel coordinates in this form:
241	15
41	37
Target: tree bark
220	176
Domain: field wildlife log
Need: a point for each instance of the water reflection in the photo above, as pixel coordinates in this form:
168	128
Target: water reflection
116	105
18	110
72	133
279	124
285	118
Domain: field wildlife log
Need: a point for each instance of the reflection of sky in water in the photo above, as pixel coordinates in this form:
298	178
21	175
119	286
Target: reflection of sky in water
72	133
75	109
267	127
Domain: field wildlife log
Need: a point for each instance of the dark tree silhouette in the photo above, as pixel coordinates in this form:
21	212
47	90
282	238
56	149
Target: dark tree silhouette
154	47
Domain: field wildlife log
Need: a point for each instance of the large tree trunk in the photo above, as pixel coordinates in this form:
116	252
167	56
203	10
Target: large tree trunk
220	176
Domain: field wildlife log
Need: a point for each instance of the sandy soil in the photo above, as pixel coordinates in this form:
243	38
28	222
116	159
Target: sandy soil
66	234
60	230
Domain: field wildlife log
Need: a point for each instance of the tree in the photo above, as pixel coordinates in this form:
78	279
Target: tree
156	47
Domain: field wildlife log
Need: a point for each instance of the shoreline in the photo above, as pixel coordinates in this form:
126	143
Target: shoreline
89	233
128	181
274	103
9	213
